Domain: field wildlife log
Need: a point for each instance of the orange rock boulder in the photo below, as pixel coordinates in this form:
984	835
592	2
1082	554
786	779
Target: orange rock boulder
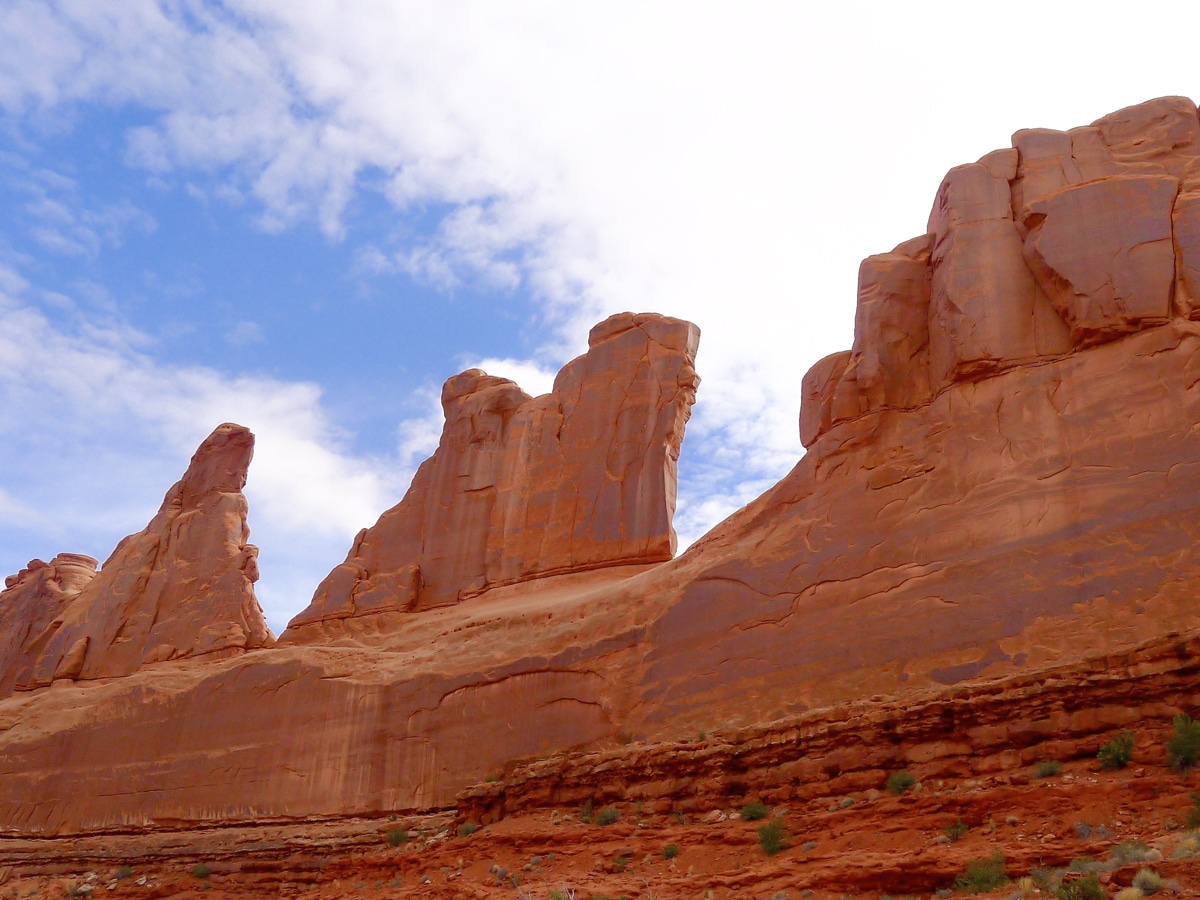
182	587
522	487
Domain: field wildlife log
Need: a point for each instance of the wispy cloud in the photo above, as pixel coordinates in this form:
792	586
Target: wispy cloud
60	220
244	333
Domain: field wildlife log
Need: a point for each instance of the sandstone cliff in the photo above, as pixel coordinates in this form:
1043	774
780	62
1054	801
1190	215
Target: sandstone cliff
1065	240
182	587
523	487
1003	475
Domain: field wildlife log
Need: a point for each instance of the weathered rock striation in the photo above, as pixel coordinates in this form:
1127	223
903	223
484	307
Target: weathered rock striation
521	487
182	587
1002	476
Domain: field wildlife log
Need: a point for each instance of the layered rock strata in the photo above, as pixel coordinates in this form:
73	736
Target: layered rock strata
993	487
523	487
182	587
972	730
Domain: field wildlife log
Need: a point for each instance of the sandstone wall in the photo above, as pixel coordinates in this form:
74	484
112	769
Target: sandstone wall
522	487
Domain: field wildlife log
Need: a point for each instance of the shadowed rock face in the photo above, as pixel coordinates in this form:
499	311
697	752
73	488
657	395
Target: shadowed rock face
182	587
522	487
1002	476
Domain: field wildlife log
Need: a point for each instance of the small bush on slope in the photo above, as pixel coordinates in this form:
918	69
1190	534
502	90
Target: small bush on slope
1086	888
1117	753
751	812
773	837
983	875
1047	768
1183	749
607	816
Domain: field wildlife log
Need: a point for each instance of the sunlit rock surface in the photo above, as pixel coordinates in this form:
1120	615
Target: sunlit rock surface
1002	475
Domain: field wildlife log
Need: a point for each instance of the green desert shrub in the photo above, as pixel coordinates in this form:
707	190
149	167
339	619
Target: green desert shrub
397	837
466	829
1117	753
1047	768
670	851
955	832
900	782
607	816
1086	888
752	812
122	873
983	875
1192	822
201	871
773	837
1149	882
1129	851
1183	749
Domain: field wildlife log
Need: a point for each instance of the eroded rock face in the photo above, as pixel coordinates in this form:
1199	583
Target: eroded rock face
986	311
31	600
1102	252
1067	239
182	587
522	487
1186	231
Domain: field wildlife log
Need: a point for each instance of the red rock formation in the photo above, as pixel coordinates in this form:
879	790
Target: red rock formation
31	600
986	311
1065	240
525	487
1102	252
182	587
1185	222
973	504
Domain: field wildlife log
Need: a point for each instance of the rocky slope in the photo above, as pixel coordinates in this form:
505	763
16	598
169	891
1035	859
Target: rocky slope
1002	477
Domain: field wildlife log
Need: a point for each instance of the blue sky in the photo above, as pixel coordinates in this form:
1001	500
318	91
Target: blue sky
304	220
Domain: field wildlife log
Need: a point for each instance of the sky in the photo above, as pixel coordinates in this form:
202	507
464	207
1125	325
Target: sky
304	216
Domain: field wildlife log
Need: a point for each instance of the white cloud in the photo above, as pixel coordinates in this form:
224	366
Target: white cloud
244	333
417	436
61	222
533	378
15	512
